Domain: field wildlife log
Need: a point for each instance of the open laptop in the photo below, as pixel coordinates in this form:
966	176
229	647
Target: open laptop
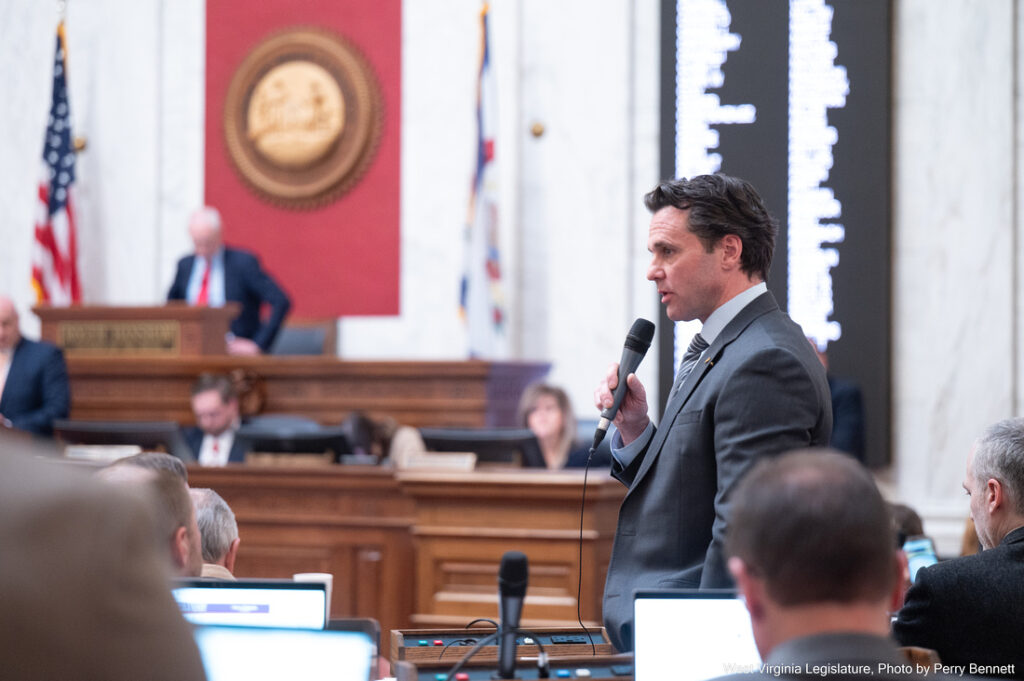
262	654
253	602
690	634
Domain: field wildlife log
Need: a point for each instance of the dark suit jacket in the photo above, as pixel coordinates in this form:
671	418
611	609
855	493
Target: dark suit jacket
194	437
84	583
760	392
36	391
970	609
579	456
847	417
245	282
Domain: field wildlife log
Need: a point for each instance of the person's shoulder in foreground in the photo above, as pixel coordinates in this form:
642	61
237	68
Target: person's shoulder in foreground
83	582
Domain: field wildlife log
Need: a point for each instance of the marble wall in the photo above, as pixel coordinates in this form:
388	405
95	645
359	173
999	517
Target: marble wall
573	228
956	230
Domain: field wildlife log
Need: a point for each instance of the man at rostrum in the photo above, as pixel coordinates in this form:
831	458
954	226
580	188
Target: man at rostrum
754	389
215	274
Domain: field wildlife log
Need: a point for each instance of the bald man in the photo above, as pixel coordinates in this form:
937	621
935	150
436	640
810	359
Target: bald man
215	274
33	378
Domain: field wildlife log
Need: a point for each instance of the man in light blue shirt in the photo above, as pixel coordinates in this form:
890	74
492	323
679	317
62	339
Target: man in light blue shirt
215	274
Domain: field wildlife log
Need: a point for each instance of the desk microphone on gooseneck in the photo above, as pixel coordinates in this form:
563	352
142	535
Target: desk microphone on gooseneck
512	577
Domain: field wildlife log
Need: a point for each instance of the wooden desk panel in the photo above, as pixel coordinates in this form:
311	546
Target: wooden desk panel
470	393
465	522
422	549
351	521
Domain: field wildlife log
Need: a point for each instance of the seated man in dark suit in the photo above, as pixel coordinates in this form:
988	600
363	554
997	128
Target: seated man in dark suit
812	548
33	378
215	406
848	429
215	274
971	610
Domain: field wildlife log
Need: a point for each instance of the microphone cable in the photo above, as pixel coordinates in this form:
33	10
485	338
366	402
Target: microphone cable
579	576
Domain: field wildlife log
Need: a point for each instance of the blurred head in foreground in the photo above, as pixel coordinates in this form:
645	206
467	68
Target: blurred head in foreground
82	574
812	548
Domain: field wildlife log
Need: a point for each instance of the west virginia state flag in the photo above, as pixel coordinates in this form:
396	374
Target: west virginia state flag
482	300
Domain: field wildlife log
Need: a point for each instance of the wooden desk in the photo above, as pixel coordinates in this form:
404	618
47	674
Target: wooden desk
469	393
351	521
420	549
465	522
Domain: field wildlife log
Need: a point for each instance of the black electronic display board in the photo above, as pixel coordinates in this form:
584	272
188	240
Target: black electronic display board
794	96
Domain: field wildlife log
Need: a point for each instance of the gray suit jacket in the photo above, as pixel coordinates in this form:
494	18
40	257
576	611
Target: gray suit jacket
759	392
838	656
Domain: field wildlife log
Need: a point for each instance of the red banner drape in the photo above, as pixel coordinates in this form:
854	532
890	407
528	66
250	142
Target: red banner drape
343	258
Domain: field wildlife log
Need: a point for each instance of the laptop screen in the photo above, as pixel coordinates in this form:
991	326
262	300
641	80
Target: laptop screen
260	654
687	634
253	603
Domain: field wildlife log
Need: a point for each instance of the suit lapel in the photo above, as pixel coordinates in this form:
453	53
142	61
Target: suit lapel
759	306
237	453
231	282
13	375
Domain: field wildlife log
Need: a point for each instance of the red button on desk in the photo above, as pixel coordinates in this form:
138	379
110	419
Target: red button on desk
438	642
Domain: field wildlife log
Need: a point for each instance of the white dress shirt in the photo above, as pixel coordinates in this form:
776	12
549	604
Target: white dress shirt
216	449
215	291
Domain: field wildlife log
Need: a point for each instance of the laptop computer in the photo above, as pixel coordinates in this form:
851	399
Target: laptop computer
264	654
278	603
690	634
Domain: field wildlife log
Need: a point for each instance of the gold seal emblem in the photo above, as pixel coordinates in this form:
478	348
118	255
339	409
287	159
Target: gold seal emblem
302	117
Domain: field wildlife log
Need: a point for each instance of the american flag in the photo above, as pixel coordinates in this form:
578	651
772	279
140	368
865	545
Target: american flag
55	255
482	302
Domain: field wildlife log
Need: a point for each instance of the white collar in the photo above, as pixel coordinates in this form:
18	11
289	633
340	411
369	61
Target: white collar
726	312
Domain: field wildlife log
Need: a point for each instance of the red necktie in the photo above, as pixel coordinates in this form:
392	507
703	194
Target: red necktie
204	288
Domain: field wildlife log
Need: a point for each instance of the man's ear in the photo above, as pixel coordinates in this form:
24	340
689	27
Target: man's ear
995	496
180	548
231	555
732	250
901	582
749	586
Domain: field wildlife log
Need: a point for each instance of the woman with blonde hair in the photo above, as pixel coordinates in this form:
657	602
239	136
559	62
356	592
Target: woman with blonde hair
546	410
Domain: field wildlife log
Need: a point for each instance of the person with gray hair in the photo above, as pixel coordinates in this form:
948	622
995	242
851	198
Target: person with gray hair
219	532
970	610
216	274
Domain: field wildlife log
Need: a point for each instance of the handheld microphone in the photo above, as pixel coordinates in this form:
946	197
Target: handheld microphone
638	340
512	577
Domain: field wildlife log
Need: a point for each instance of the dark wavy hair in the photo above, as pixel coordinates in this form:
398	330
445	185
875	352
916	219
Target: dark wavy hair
719	205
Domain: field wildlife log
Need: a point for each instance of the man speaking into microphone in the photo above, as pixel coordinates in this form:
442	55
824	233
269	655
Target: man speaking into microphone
749	386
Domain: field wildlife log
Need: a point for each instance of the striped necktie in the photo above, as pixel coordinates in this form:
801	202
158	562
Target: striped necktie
690	357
